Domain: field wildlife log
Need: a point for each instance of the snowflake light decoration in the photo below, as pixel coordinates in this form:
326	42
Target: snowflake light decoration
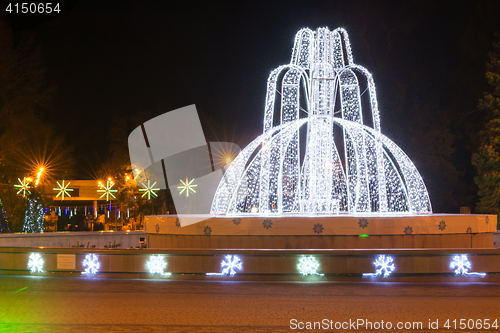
384	265
106	190
462	265
149	190
187	187
229	266
35	263
63	190
23	187
157	265
308	266
370	173
91	264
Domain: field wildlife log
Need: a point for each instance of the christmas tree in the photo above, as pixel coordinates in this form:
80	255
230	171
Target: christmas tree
34	216
4	221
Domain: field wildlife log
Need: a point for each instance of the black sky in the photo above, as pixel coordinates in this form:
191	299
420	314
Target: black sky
117	58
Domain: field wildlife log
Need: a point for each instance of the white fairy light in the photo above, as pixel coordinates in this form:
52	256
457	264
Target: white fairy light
384	266
308	266
91	264
369	174
35	263
462	265
157	265
229	266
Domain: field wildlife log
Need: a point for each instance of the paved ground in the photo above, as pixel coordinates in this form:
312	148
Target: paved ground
42	304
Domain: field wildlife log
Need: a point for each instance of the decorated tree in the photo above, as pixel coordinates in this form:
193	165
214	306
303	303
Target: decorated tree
487	159
34	216
4	221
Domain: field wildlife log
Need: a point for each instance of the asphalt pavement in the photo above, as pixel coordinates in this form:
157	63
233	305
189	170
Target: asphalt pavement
48	304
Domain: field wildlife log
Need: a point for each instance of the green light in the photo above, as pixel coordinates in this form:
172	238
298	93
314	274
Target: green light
20	289
187	187
107	191
149	190
63	190
24	187
364	236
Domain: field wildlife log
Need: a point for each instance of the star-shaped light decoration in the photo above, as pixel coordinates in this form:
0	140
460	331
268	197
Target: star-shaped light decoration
63	190
149	190
24	186
107	191
187	187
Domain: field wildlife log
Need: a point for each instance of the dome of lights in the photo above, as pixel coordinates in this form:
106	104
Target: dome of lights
322	150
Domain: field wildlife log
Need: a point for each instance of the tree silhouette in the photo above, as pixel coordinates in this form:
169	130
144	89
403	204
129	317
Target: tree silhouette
487	159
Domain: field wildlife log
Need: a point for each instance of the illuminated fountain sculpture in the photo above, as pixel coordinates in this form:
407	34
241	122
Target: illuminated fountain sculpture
320	156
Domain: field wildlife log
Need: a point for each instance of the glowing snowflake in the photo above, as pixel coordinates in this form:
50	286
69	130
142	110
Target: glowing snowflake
156	265
63	190
462	265
107	191
149	190
35	263
308	266
384	265
91	264
229	266
187	187
24	186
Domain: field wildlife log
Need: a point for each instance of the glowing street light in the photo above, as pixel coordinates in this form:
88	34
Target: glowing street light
39	175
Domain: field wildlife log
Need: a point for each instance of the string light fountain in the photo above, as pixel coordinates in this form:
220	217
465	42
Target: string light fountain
319	153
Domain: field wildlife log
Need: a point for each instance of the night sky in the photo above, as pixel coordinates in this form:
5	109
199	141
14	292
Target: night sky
113	59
